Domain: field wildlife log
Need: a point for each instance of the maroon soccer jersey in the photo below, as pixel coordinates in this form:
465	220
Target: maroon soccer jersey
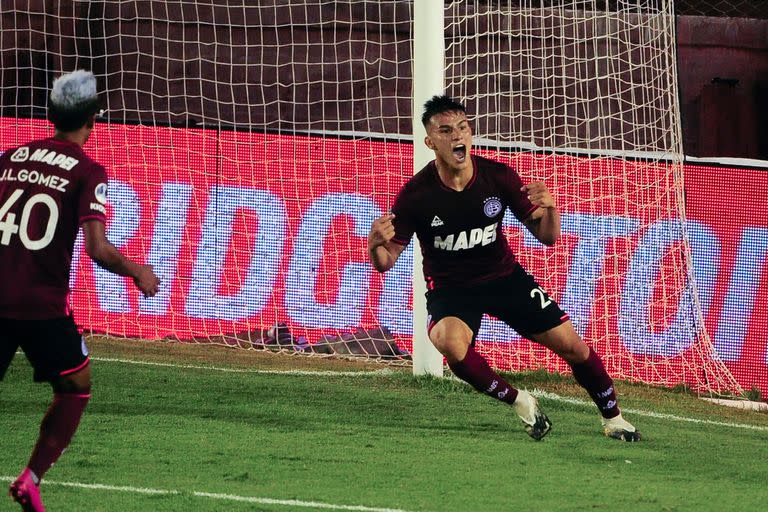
47	189
460	233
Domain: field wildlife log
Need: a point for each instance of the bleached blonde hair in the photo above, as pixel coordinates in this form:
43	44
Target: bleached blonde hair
74	89
73	100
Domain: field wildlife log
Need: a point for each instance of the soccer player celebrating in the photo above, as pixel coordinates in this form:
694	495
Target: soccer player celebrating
48	190
455	205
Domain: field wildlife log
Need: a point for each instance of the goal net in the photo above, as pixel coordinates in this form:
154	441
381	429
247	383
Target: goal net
251	144
583	96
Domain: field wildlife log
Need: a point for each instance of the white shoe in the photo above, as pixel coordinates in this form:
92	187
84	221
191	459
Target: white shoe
536	422
619	428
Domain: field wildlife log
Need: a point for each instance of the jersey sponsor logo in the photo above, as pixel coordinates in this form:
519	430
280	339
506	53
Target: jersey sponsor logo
35	177
49	157
98	207
606	393
467	239
437	221
492	207
100	192
20	155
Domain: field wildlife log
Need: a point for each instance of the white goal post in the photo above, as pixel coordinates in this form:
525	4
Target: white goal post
428	80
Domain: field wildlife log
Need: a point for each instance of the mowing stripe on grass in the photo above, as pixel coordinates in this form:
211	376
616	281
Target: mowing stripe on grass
385	371
215	496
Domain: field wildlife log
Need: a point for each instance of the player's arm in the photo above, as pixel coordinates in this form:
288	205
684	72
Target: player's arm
109	258
382	251
544	221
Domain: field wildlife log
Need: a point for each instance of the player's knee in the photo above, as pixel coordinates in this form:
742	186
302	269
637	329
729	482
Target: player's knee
64	385
453	346
79	382
575	352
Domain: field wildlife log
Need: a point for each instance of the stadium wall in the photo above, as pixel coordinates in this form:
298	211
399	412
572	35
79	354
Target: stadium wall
283	61
723	72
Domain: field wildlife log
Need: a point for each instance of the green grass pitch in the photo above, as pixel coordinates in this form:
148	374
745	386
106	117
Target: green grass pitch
167	437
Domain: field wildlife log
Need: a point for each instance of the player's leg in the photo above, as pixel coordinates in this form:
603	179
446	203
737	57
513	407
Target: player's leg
526	307
590	373
8	346
58	356
71	393
453	337
70	396
22	490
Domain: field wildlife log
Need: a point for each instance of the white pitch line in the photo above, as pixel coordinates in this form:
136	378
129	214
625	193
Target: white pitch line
386	371
650	414
294	503
308	373
215	496
673	417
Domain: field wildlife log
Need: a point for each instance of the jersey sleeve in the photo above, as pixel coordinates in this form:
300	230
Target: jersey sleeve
519	203
403	222
92	202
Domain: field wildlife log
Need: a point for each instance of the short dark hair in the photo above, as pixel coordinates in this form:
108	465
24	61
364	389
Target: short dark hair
438	105
73	118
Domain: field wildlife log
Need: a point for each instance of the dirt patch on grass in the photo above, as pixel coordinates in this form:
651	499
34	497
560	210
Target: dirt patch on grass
208	354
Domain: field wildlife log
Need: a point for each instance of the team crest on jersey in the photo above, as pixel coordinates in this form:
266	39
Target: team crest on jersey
101	193
20	155
492	207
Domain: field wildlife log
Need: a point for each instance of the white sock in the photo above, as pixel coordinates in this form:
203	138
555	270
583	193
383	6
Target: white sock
35	479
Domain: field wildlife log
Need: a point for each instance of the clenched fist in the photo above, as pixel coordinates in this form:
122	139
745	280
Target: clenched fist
382	231
146	281
538	194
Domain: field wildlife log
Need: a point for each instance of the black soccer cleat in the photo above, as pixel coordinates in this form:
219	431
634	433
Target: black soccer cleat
625	435
540	427
621	429
536	422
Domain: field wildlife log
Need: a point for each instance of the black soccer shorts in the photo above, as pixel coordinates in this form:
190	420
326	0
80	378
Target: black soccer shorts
53	347
516	299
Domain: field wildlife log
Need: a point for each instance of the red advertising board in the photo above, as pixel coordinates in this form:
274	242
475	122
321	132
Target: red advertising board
733	205
249	229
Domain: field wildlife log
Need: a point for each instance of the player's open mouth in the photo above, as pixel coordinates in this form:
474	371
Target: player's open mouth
460	152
